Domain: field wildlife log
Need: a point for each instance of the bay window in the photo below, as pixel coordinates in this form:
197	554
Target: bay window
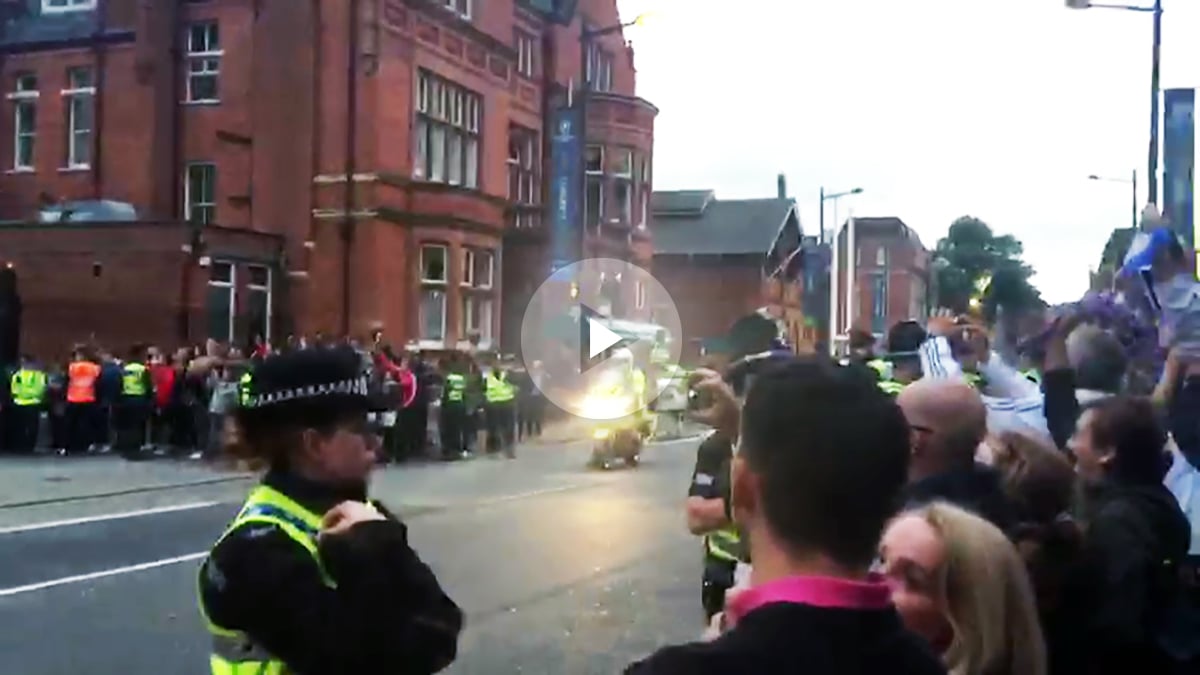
446	143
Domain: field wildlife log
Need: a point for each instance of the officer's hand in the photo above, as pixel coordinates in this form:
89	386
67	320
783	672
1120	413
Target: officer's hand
342	517
722	412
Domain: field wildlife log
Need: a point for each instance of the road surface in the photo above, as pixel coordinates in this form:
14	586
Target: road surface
560	570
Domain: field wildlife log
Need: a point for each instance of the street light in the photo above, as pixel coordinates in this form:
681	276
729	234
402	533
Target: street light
833	197
1131	181
1155	59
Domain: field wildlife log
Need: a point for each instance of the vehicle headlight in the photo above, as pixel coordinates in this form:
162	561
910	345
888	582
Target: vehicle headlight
606	407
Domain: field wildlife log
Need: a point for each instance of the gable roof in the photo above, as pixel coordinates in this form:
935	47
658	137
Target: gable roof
695	222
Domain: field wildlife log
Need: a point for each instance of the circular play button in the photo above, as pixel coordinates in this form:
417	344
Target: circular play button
591	328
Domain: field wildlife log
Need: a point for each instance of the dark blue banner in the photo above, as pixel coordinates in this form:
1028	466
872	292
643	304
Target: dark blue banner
1179	162
566	186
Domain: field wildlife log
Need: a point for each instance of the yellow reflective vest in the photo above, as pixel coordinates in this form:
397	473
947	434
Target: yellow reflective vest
233	652
244	388
28	387
455	388
133	380
497	388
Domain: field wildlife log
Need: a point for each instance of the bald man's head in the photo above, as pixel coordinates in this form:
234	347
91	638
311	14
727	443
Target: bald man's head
948	422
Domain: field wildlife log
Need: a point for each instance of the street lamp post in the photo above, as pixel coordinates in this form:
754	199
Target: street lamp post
830	317
1131	181
1155	60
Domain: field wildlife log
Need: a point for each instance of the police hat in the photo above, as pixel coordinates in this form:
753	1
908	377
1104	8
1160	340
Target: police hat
322	382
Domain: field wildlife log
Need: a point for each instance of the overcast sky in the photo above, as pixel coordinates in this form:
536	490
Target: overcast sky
936	108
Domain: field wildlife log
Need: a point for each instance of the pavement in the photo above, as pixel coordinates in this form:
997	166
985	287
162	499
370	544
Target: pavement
559	569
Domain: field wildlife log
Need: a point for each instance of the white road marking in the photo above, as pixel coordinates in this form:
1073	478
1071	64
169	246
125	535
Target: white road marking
106	516
531	493
140	567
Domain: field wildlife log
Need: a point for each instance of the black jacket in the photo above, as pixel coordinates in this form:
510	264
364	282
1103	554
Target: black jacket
387	614
1136	536
976	489
786	638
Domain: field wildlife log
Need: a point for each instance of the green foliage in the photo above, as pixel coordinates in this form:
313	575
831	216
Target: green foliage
970	252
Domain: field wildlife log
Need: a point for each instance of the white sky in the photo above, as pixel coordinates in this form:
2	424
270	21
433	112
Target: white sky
937	108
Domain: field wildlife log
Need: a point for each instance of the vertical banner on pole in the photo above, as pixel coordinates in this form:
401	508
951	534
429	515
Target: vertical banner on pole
1179	164
566	187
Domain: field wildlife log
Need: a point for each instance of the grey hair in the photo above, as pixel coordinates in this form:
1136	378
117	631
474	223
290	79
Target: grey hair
1098	359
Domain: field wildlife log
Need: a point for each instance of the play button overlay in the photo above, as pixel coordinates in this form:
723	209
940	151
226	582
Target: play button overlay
589	327
595	338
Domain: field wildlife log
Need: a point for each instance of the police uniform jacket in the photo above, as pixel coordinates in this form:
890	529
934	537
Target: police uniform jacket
387	614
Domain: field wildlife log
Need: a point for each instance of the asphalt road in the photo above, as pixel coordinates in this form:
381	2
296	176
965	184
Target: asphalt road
560	570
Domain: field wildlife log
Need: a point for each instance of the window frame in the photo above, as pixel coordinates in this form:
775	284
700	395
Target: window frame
68	7
463	9
445	249
231	285
74	95
446	110
190	206
445	295
24	97
209	59
268	289
525	45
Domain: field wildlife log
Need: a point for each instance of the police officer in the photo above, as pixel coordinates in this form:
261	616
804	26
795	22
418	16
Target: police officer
709	515
134	405
500	399
311	576
453	417
28	389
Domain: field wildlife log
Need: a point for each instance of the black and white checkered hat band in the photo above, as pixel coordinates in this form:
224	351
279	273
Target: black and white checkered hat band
352	387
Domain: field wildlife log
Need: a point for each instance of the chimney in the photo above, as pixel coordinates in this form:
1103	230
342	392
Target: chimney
781	184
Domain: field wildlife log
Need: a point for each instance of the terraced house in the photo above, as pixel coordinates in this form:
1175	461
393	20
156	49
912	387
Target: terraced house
182	169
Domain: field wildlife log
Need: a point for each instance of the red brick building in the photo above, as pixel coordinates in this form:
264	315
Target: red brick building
324	166
721	259
892	273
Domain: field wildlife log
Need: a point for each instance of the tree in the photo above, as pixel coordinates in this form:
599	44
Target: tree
971	252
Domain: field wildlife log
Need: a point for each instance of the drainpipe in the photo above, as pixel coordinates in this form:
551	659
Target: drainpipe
192	258
101	58
347	230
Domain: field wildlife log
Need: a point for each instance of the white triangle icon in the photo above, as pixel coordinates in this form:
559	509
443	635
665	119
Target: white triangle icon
599	338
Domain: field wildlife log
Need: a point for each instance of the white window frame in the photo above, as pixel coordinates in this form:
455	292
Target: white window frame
190	206
443	110
622	175
590	171
639	294
269	290
460	8
49	6
445	264
881	256
24	97
421	312
469	258
484	328
70	95
526	47
208	57
232	286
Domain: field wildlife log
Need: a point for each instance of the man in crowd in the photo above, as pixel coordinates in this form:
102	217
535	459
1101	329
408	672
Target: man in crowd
815	440
947	422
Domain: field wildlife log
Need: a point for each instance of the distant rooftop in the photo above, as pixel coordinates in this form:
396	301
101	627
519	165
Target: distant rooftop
695	222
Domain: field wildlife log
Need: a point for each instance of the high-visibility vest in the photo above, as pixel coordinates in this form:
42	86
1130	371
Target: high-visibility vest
133	380
244	383
81	382
28	387
497	389
456	386
639	389
891	387
882	368
975	380
724	544
234	652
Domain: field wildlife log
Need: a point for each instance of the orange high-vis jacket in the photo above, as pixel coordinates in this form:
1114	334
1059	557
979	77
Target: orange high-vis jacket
81	382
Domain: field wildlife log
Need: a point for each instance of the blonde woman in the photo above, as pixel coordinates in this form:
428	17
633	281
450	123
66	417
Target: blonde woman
961	585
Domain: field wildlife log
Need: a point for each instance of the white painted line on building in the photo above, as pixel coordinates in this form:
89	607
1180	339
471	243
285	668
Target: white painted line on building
140	567
83	520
